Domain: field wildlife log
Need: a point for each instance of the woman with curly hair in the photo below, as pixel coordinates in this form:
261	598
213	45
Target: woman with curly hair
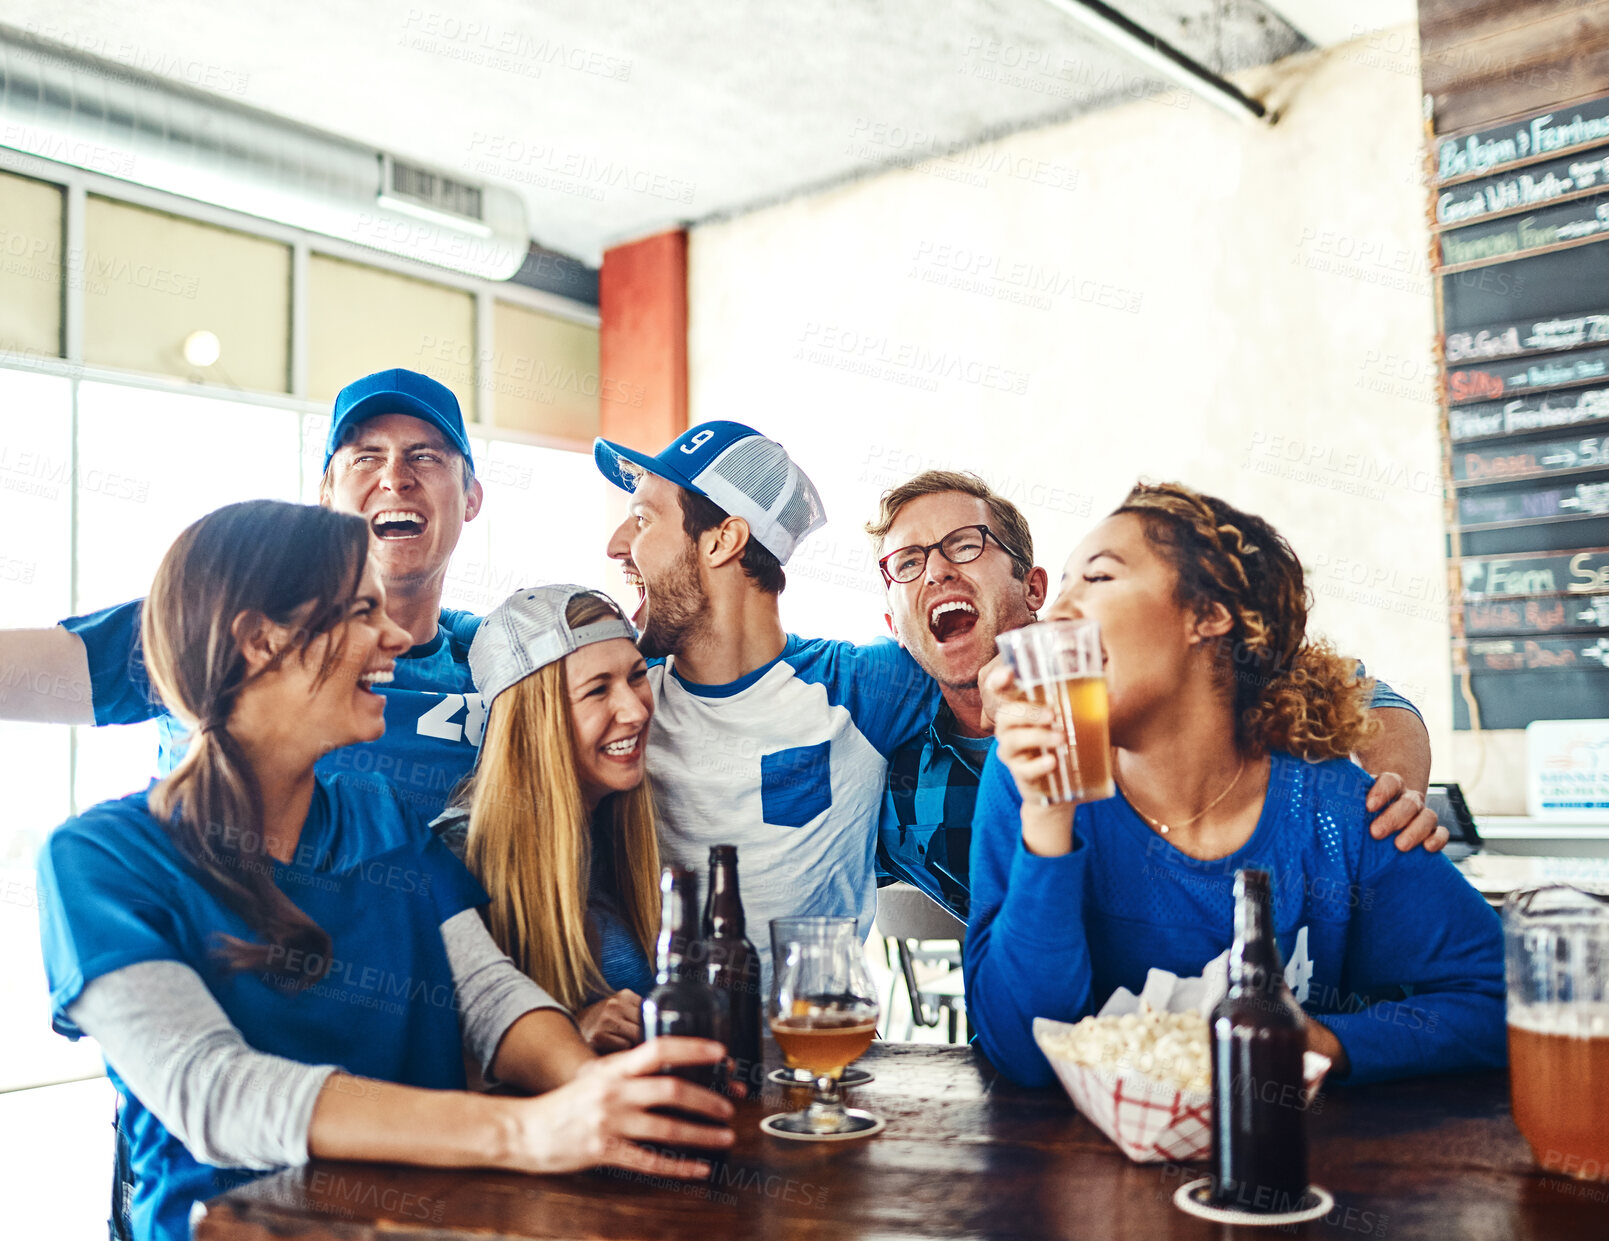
1231	731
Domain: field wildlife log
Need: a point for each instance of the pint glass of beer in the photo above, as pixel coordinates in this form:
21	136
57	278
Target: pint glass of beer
1557	959
1057	664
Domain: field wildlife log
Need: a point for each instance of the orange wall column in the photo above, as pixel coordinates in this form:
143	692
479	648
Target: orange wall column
642	341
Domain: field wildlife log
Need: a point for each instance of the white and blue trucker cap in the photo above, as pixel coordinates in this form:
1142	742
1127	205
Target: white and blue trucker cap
528	631
737	468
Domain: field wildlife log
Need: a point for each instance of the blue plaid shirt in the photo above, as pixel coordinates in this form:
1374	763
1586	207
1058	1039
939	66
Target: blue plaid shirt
924	831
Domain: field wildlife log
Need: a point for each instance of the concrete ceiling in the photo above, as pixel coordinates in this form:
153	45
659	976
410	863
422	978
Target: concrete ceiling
618	118
1327	22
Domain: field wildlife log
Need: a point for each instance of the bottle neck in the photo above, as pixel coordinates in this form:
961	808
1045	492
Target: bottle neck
678	931
1254	956
723	914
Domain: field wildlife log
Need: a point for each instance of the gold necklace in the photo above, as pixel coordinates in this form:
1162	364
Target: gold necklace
1158	824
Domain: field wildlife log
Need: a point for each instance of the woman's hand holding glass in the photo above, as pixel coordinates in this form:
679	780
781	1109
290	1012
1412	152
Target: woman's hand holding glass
1026	737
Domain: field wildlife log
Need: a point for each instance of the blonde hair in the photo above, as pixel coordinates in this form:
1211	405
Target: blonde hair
530	843
1290	692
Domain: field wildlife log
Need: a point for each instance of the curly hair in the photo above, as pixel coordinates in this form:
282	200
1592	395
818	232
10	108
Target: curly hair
1290	693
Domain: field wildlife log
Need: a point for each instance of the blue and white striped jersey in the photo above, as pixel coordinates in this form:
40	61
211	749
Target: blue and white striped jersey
787	763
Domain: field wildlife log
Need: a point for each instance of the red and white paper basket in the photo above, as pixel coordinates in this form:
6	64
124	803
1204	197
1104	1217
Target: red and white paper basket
1152	1120
1148	1120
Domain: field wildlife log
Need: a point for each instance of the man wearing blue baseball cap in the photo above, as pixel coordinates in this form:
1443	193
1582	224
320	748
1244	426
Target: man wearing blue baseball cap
398	456
762	739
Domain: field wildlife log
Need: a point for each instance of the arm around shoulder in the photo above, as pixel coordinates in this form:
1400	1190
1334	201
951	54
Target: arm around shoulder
1402	745
47	677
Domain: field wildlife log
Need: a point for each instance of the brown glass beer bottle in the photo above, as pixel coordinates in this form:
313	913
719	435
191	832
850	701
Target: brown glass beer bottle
734	967
1258	1032
682	1001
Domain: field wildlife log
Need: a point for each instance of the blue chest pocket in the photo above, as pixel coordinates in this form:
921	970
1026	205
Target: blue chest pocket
795	784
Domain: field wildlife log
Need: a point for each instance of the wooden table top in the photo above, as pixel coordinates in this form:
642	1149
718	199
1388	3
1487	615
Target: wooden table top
965	1154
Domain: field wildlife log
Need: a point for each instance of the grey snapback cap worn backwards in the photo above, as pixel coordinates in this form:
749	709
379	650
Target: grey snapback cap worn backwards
527	632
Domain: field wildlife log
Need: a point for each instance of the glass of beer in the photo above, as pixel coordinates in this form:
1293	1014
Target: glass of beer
1057	664
1556	943
823	1014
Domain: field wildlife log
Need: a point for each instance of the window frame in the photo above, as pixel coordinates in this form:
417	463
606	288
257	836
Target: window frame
77	184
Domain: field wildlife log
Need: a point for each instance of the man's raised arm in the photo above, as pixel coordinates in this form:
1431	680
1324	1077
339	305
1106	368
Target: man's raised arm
44	677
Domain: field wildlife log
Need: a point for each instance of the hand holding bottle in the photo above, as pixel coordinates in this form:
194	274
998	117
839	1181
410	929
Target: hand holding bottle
618	1102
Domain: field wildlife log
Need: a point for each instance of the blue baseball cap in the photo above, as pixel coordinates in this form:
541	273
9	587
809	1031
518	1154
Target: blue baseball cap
398	391
737	468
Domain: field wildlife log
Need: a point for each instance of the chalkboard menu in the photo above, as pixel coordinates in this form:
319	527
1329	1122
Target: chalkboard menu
1520	216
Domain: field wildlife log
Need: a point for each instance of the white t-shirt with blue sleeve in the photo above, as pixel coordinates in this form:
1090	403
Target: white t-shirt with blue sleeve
787	763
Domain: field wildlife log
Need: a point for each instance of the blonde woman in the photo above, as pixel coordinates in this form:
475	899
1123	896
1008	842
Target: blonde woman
557	822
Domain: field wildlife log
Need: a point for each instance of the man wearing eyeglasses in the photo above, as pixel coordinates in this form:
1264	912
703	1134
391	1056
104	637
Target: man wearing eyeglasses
957	566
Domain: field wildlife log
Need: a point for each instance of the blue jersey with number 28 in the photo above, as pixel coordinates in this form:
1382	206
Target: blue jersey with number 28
433	716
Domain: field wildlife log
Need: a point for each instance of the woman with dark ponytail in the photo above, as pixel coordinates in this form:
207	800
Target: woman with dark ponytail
279	965
1231	730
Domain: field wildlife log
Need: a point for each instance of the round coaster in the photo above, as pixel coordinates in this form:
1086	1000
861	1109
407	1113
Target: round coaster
850	1078
1191	1199
861	1125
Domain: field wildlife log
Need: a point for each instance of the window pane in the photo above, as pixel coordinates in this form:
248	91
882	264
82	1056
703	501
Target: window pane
545	519
35	497
35	585
152	279
152	462
544	374
35	592
362	319
30	267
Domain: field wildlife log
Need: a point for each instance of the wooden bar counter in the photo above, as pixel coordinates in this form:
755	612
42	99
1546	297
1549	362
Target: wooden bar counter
965	1154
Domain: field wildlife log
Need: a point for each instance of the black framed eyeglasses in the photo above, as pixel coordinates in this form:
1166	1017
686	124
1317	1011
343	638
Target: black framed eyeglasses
962	545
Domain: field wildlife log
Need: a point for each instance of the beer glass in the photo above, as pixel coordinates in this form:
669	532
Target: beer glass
1057	664
782	930
823	1015
1556	945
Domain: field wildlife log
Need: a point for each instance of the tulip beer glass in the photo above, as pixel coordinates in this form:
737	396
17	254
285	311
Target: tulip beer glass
1556	944
823	1015
1058	664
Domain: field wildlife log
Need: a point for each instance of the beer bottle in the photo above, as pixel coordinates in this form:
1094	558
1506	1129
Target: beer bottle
1258	1032
682	1001
734	966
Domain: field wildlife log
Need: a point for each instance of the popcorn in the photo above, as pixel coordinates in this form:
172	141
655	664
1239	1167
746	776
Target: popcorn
1170	1048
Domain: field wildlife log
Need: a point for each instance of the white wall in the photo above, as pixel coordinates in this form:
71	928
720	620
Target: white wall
1160	290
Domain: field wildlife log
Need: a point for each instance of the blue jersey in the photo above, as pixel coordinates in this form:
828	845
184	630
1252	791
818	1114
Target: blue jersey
114	892
433	716
788	764
1395	952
